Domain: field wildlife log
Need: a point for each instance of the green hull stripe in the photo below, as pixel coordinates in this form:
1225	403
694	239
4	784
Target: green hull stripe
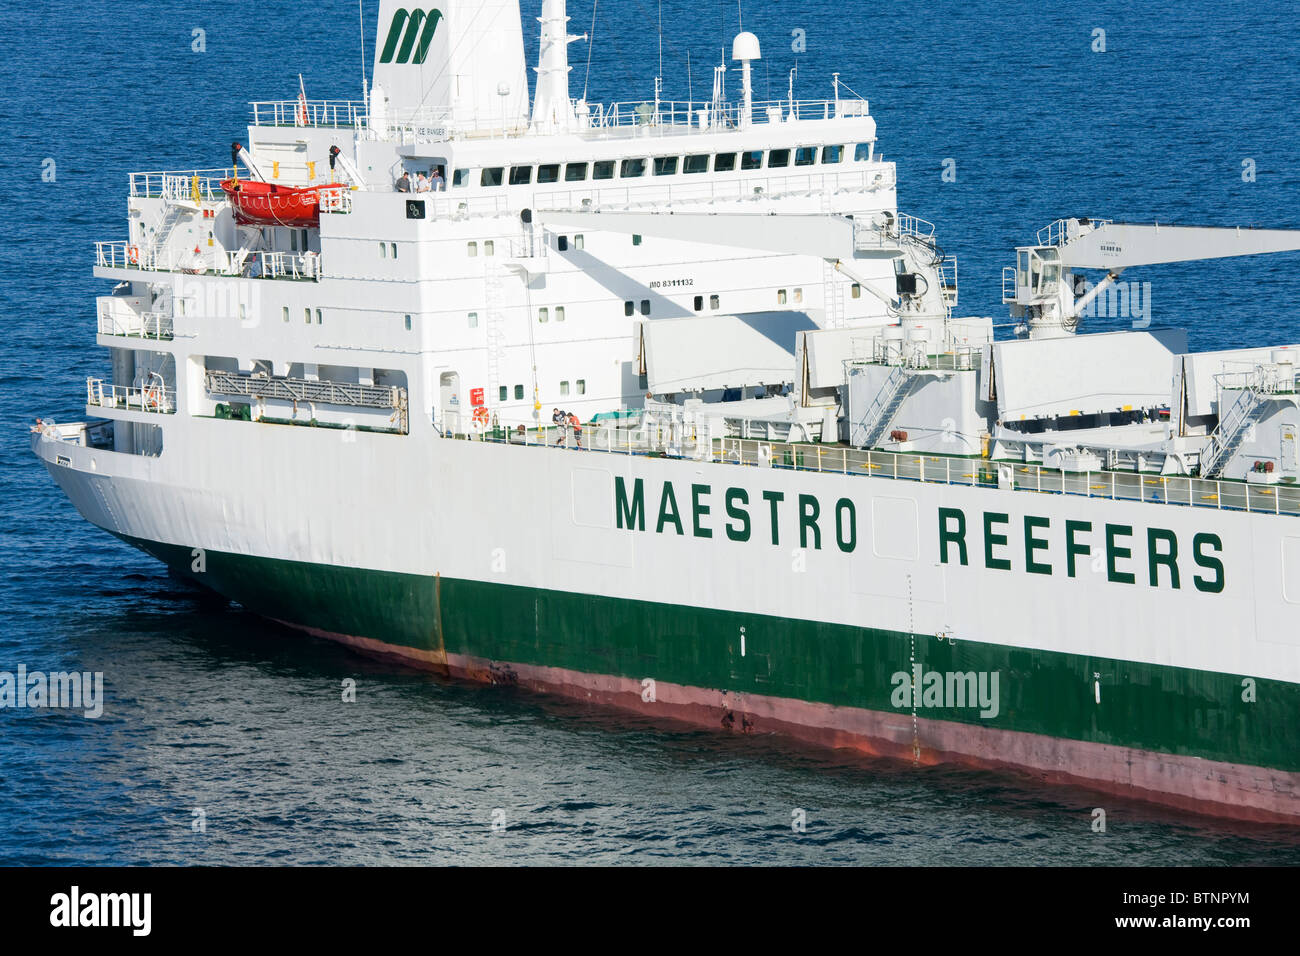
1145	706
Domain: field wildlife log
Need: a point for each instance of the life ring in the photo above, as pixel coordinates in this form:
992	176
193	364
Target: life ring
133	254
481	416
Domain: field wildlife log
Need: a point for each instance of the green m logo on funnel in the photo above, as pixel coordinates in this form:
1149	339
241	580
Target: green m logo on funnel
410	28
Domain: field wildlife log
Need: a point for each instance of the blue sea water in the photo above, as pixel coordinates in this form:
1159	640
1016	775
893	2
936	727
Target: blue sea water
211	709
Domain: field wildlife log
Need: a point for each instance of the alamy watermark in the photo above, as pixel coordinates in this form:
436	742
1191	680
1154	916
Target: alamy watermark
946	689
63	690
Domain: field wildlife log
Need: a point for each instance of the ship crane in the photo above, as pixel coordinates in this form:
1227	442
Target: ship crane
845	243
1042	287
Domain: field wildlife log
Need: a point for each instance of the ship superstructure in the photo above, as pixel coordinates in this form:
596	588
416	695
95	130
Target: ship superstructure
351	375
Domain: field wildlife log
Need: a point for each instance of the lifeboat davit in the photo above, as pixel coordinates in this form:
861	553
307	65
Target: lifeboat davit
267	204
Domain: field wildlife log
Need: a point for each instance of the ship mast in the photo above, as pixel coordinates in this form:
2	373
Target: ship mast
552	108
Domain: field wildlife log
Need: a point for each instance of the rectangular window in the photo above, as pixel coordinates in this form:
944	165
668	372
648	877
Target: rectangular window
564	390
645	306
473	320
582	386
503	393
752	159
304	240
603	169
562	243
832	154
798	295
778	159
408	323
306	316
632	168
724	162
492	176
521	175
665	165
383	250
318	317
543	314
243	315
392	250
519	393
696	164
575	172
578	242
636	240
549	173
293	240
856	291
286	313
780	296
473	249
559	313
699	303
460	178
629	308
862	152
713	302
489	247
805	155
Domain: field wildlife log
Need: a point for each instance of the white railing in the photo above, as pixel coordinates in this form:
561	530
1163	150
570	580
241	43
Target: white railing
181	184
671	117
683	441
328	113
146	325
120	254
148	398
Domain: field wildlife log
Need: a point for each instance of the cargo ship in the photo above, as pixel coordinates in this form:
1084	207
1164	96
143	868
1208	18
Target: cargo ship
666	406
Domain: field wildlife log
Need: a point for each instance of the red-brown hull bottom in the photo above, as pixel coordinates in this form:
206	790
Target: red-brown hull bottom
1216	788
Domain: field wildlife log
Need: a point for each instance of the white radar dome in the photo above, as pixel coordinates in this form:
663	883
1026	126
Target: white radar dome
745	47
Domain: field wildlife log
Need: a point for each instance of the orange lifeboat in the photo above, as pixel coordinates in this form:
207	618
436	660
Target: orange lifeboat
268	204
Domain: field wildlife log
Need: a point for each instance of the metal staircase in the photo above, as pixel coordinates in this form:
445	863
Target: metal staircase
1231	431
888	401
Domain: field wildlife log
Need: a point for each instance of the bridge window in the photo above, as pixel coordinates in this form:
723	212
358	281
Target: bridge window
575	172
492	176
805	155
521	175
724	162
778	159
632	168
696	164
832	154
549	173
603	169
460	177
752	159
862	153
665	165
